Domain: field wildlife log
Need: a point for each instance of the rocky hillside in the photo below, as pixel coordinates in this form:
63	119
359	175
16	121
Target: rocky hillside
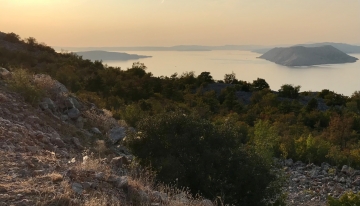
311	184
62	151
307	56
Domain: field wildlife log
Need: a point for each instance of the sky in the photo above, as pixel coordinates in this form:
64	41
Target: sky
83	23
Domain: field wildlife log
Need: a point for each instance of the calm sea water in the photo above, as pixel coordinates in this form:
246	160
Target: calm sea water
341	78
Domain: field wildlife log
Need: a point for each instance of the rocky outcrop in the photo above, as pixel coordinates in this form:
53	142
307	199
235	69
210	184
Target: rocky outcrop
310	184
307	56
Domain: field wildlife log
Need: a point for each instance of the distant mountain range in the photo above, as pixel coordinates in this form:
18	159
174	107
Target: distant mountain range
109	56
172	48
346	48
307	56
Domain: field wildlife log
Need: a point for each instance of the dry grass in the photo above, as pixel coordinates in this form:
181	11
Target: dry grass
101	118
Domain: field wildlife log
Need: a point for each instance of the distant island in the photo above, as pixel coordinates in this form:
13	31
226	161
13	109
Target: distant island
109	56
307	56
346	48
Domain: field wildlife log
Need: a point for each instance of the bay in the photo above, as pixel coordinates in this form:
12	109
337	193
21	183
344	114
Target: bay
341	78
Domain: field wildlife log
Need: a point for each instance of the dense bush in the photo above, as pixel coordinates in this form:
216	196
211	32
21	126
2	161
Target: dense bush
208	159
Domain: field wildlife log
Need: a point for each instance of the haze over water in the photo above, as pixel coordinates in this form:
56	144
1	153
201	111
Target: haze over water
341	78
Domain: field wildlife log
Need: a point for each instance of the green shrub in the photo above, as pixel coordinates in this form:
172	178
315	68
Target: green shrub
348	198
22	82
208	159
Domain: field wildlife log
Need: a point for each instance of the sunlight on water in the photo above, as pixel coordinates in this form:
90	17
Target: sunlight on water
341	78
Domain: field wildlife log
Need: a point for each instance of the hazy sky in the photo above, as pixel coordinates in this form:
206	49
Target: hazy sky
175	22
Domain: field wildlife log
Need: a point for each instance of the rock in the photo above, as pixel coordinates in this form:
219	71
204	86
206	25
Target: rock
4	72
77	188
325	166
73	113
86	185
50	104
32	149
356	182
119	161
38	172
57	141
3	190
122	182
69	103
95	130
100	175
289	162
43	105
345	169
79	122
64	117
116	134
342	180
77	143
76	103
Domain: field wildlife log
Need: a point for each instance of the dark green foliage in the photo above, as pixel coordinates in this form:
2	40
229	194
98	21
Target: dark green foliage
312	105
289	91
230	78
259	84
205	77
332	98
12	37
194	153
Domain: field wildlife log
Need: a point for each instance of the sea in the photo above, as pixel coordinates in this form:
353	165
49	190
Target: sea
340	78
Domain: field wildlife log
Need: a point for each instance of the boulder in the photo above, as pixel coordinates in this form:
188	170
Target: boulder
116	134
119	161
50	104
122	182
95	130
289	162
77	188
77	143
64	117
73	113
57	141
4	72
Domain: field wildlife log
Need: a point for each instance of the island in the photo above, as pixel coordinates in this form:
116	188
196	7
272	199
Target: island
109	56
307	56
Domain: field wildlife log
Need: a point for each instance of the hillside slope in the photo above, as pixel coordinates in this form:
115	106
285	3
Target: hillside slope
51	153
307	56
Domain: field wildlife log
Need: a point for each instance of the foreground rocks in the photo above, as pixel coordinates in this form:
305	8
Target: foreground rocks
311	184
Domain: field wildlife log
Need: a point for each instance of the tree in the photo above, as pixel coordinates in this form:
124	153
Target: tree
289	91
339	131
259	84
12	37
205	77
31	41
230	78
